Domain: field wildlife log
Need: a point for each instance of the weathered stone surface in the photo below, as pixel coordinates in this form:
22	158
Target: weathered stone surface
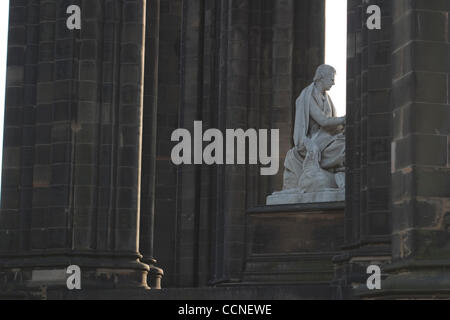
78	182
368	150
293	243
67	157
420	172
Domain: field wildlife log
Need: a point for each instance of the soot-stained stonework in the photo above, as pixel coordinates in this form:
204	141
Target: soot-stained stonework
72	143
87	176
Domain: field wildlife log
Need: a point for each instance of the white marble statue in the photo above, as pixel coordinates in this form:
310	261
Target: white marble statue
314	168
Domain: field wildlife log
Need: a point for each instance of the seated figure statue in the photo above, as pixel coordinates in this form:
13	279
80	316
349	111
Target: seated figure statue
316	164
314	178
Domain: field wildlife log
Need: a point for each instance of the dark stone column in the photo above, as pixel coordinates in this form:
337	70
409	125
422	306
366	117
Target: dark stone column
149	138
232	64
165	217
421	167
368	133
261	82
71	179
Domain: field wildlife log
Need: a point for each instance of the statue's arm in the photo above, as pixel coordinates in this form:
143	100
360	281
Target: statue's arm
323	120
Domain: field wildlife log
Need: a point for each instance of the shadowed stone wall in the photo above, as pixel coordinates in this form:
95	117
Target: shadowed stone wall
368	150
421	167
232	64
397	151
71	172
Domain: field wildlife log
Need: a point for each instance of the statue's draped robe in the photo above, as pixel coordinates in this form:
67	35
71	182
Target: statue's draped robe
331	140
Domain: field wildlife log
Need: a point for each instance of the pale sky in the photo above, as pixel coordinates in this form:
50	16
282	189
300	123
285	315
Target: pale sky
336	50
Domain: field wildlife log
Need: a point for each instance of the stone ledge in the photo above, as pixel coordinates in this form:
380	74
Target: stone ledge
246	292
301	207
294	197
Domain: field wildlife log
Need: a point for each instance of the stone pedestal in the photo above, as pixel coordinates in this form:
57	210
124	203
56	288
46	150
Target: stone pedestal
293	243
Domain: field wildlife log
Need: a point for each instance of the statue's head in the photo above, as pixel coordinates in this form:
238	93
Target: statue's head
325	75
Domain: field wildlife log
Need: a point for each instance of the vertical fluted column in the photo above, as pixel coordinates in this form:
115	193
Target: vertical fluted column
150	132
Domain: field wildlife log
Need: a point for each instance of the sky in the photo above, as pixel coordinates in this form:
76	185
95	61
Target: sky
336	50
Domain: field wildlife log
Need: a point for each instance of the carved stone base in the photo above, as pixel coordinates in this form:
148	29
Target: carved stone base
294	197
99	270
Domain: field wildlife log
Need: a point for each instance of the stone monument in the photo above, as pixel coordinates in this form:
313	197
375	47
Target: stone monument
315	168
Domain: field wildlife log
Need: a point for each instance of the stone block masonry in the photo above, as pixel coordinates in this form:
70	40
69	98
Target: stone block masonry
73	142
